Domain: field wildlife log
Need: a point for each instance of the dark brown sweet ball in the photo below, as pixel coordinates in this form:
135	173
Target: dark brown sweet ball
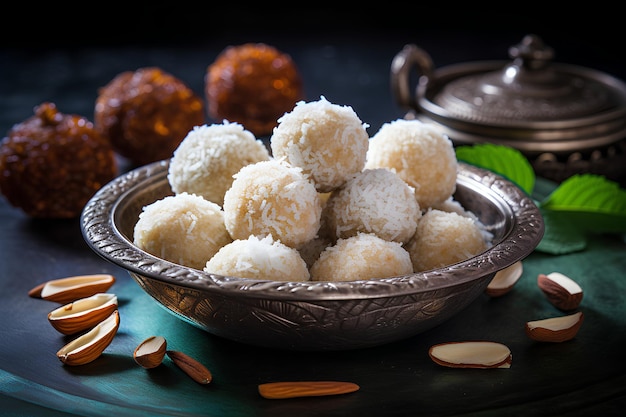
147	113
253	84
52	163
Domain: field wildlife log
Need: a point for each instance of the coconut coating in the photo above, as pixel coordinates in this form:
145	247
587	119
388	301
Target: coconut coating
373	201
185	229
453	205
328	141
206	160
257	258
444	238
420	154
272	197
361	257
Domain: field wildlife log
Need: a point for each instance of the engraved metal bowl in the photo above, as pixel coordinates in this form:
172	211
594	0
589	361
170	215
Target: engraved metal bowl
313	316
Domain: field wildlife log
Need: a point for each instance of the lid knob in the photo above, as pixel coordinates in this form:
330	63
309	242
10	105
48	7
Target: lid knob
531	53
529	73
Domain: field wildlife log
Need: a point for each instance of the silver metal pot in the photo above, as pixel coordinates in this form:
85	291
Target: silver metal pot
566	119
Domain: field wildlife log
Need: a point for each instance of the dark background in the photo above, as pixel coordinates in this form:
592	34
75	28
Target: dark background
64	52
590	32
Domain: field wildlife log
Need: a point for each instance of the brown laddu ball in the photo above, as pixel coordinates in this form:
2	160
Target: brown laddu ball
252	84
146	114
52	163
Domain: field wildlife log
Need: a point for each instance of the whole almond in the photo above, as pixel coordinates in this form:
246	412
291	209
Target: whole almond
194	369
292	389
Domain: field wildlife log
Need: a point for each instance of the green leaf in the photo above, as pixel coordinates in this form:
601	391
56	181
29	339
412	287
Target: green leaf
560	235
591	202
581	204
502	160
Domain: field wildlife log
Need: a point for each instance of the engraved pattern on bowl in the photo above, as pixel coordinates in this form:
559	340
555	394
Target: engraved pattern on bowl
313	315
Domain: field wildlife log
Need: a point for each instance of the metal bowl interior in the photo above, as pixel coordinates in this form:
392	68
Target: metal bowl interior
313	316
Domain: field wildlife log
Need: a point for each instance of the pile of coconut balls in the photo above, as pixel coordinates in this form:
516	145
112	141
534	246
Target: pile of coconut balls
329	203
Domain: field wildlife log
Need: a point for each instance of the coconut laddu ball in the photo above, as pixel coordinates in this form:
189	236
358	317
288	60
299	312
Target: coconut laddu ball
454	206
206	160
328	141
420	154
185	229
259	258
444	238
373	201
361	257
272	197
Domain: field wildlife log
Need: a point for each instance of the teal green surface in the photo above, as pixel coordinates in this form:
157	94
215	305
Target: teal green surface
584	376
396	374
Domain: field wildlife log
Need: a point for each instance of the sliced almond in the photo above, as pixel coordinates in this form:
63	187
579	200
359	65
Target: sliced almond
562	291
66	290
504	280
88	347
556	329
150	353
282	390
194	369
83	314
473	354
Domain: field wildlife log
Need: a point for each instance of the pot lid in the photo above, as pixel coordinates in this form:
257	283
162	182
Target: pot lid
529	102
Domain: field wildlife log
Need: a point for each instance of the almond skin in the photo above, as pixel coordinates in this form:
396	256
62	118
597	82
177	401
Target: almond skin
562	291
194	369
283	390
35	292
556	329
471	354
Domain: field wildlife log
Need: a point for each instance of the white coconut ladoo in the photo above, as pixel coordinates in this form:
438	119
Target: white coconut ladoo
272	198
443	238
328	141
184	228
206	160
420	154
256	258
373	201
361	257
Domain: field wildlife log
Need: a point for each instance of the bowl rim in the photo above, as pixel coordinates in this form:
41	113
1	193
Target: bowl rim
100	231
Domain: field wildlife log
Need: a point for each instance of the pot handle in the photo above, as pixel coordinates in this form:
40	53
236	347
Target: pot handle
409	57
